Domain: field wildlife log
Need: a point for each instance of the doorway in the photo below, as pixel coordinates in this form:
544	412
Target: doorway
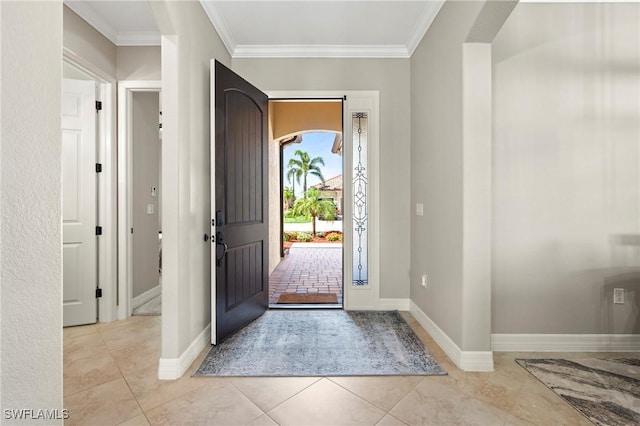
139	197
242	201
146	196
308	134
79	196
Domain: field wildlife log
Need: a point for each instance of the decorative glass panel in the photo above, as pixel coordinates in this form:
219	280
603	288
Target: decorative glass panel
360	196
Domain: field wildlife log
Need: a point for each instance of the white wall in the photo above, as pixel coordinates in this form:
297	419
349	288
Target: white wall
391	78
189	43
566	192
30	205
145	170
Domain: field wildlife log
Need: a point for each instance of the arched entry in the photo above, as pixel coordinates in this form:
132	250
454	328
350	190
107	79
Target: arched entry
308	137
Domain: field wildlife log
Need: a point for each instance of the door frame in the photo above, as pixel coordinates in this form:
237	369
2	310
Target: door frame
364	297
126	88
106	189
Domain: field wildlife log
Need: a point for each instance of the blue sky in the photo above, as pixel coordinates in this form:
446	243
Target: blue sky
317	145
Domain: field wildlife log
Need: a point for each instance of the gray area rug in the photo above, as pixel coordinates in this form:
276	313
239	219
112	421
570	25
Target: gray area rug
606	390
322	343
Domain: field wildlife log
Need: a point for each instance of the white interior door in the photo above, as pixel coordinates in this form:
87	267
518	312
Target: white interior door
79	209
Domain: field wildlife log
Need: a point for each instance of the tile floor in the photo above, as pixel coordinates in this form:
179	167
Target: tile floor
110	378
308	268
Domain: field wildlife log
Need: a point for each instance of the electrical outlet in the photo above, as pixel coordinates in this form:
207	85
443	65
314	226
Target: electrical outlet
150	209
419	209
618	296
423	280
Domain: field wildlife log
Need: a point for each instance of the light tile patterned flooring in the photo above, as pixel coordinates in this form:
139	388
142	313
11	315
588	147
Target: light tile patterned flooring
308	269
110	378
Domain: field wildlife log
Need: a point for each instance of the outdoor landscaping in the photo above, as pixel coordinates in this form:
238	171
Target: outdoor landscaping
312	207
290	237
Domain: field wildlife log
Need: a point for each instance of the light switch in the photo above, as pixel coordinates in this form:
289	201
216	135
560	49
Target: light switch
154	191
419	209
149	208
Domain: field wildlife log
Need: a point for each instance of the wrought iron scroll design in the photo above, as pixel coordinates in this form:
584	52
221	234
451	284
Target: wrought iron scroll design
360	208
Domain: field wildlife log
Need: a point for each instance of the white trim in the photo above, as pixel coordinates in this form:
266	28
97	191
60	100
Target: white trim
87	13
220	25
143	298
565	342
174	368
427	17
465	360
393	305
125	38
138	38
125	91
320	51
368	296
105	154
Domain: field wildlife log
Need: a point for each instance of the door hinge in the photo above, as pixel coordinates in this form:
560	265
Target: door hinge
98	105
98	230
98	293
98	168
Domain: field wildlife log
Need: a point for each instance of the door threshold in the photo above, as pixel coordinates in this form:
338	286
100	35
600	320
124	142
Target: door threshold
291	306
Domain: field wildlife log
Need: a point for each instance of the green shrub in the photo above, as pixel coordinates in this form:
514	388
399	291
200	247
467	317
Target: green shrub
289	236
334	236
305	237
320	234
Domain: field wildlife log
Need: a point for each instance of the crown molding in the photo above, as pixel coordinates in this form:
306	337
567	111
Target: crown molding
86	12
425	20
141	38
220	25
319	51
132	38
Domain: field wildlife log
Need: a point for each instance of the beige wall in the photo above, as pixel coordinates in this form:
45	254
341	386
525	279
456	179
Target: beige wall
437	174
275	225
138	63
30	206
566	206
145	168
86	42
120	62
391	77
189	45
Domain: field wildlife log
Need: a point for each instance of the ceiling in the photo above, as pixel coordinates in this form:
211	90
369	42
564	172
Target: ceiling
294	28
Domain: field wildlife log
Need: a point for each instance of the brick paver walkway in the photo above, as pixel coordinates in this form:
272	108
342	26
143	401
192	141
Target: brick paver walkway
308	269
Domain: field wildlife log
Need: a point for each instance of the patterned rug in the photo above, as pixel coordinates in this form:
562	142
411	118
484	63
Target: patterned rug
606	390
322	343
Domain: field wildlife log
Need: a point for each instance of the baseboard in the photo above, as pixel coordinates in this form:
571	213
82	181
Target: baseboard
146	296
565	342
174	368
465	360
393	305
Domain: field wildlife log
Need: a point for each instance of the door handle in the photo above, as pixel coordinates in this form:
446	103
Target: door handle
220	242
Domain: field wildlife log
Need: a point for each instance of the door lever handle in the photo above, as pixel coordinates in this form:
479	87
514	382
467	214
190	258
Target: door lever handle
220	242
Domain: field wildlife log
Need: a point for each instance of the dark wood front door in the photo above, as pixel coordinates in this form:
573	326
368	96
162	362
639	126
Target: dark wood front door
240	225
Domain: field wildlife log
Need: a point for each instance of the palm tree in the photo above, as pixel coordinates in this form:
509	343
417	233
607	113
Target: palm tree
288	197
312	205
304	166
293	175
